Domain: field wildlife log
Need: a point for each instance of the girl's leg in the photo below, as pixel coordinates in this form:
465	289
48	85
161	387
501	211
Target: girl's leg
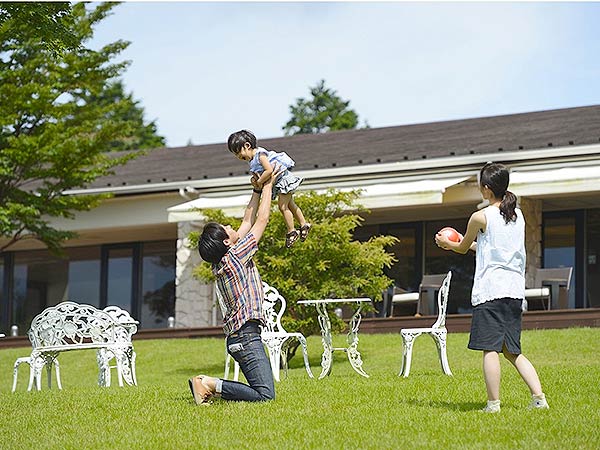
491	374
296	211
526	370
284	204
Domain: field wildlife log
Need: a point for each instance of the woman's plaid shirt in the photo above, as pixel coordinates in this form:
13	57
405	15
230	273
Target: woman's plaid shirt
240	285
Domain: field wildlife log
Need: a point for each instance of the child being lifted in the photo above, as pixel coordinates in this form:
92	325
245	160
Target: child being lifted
243	145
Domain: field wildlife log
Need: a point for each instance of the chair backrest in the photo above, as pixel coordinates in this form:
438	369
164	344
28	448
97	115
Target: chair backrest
273	308
559	273
70	323
443	301
123	317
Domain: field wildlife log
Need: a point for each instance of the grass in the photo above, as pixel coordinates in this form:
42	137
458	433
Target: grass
345	410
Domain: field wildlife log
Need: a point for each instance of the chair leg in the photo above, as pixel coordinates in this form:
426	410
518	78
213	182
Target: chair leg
57	368
302	340
275	357
133	374
440	340
16	372
407	346
236	371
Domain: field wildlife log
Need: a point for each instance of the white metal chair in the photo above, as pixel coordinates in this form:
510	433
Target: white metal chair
437	332
424	298
273	335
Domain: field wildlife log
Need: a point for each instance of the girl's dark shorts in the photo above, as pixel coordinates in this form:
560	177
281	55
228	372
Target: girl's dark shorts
495	323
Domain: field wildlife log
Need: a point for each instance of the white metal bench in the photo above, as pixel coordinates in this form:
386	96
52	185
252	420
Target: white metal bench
73	326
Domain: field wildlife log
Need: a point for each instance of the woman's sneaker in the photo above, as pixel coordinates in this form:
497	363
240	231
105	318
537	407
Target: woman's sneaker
538	402
493	406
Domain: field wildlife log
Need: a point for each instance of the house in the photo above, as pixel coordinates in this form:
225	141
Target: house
131	250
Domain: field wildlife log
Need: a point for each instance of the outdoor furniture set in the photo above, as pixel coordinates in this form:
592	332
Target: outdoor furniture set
73	326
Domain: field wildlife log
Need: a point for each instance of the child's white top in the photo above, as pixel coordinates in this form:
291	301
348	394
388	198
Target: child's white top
500	258
273	157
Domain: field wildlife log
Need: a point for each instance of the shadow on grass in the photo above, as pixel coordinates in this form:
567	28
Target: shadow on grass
452	406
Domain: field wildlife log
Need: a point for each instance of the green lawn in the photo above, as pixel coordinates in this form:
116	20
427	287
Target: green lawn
345	410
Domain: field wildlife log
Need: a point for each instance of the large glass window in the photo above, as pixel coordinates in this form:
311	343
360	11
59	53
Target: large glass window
592	296
158	284
438	261
406	271
559	247
40	280
84	275
119	285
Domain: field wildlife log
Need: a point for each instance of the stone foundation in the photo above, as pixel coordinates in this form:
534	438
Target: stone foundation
194	305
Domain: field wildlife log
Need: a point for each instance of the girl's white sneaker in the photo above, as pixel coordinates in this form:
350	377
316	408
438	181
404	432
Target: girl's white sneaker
493	406
538	402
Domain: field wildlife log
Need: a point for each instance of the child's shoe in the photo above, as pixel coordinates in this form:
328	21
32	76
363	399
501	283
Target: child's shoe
291	238
538	402
304	229
493	406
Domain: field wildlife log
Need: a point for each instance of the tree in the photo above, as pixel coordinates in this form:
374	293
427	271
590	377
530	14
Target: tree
325	111
329	264
51	21
54	130
125	108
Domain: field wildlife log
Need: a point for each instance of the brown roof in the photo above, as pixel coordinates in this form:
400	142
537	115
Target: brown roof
486	135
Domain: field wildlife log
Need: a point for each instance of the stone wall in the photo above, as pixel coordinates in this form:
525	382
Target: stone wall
194	300
532	211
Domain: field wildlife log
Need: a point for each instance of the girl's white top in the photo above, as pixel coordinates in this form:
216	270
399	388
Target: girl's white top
500	258
273	157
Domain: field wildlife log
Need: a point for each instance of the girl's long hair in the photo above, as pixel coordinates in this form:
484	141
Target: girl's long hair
495	176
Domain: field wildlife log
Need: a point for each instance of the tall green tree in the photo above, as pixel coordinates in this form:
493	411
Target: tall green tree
329	264
55	134
123	107
323	111
51	21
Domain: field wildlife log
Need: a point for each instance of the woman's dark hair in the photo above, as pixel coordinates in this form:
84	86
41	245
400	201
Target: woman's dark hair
211	245
495	176
237	140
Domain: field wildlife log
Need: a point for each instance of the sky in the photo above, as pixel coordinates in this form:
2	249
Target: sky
203	70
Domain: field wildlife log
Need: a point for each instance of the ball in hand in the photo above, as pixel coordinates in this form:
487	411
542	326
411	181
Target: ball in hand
451	234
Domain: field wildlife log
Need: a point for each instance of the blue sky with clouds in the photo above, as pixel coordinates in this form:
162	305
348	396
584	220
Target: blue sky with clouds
205	69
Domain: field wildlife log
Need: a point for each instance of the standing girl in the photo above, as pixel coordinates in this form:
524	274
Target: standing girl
243	145
499	284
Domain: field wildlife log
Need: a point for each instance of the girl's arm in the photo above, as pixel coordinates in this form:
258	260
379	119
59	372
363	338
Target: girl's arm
476	222
268	169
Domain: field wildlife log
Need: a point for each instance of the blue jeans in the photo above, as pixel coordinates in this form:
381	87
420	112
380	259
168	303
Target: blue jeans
246	347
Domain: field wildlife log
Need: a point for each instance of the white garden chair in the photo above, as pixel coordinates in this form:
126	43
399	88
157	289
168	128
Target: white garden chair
273	335
437	332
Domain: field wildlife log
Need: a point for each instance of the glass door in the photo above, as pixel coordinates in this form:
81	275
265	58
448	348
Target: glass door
561	232
120	277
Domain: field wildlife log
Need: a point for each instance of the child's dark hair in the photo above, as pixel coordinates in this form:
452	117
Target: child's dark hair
211	245
238	139
495	176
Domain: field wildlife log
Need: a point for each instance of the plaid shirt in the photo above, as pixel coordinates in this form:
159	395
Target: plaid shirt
240	285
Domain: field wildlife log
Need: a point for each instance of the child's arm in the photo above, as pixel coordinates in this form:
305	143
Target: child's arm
476	222
268	169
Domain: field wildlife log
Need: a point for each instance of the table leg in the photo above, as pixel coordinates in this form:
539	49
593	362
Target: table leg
325	325
353	354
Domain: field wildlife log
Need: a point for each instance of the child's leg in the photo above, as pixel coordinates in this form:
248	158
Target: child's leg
526	370
296	211
491	374
285	208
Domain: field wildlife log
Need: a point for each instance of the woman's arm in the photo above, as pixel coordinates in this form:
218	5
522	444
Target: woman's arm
476	222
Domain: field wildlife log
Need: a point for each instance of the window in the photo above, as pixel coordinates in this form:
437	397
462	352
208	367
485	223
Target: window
158	284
